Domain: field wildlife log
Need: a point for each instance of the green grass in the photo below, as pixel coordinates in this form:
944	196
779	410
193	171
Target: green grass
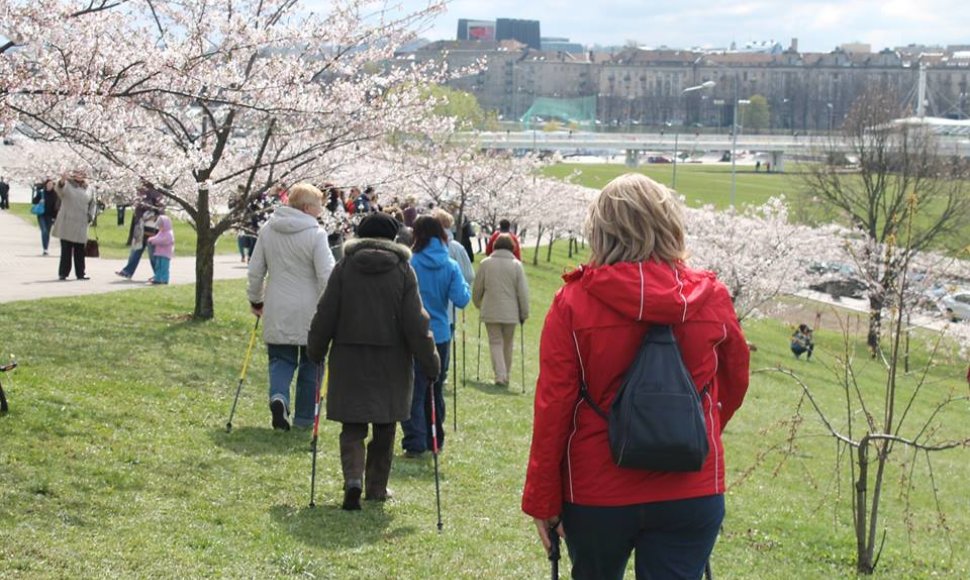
114	461
112	237
700	184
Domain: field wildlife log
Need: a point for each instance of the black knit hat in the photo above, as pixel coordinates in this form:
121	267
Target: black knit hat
378	225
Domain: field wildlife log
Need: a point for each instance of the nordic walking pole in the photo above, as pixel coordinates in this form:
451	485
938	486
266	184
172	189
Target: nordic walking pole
434	450
462	365
454	365
522	351
478	371
242	375
554	551
316	431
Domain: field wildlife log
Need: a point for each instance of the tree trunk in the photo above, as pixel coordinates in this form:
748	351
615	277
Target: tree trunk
863	550
875	323
552	240
535	255
205	249
571	241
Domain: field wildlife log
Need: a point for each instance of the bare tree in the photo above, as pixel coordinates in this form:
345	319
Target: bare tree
893	160
909	416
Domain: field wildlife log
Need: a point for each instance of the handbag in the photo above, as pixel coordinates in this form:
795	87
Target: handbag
92	249
39	207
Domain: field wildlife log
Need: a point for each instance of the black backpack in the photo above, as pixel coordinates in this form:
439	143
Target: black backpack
656	421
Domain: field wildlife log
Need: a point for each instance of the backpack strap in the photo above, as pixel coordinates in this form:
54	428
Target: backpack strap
583	388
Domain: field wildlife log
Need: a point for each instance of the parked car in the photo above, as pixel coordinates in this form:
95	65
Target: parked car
957	305
659	159
837	279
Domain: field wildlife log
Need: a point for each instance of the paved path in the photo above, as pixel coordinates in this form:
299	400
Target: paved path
25	274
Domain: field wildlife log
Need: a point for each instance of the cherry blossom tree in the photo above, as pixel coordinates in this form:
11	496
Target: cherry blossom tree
207	98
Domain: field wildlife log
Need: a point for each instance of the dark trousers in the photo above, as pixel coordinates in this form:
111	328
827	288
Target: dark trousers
69	250
417	429
670	539
373	467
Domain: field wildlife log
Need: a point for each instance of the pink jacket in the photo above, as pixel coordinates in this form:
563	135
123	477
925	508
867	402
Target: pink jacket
164	240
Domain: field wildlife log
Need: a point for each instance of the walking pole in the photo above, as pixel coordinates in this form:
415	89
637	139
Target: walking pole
462	364
478	370
242	375
554	552
522	352
316	431
434	451
454	365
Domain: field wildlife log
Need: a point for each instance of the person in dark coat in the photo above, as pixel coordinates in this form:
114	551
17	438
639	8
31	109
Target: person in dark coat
371	322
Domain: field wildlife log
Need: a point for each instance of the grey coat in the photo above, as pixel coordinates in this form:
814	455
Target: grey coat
371	323
76	212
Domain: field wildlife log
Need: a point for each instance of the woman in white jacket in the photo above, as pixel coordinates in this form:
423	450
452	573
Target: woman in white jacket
502	295
77	210
288	272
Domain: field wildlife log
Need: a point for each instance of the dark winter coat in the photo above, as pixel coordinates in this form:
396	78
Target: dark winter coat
371	323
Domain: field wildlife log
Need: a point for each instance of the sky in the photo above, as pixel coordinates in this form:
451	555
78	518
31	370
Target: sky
819	25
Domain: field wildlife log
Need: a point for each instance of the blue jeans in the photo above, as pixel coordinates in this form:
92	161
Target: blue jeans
417	429
284	360
45	223
670	539
135	256
162	264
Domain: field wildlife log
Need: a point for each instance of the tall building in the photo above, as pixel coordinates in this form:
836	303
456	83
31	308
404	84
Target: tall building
524	31
476	29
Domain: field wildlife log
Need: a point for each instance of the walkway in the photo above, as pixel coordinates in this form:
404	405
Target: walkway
25	274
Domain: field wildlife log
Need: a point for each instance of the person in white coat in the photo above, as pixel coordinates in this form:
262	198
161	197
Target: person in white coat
288	273
502	295
77	210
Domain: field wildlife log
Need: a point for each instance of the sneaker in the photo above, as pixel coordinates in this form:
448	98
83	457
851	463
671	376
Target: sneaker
123	274
351	499
84	277
45	253
279	415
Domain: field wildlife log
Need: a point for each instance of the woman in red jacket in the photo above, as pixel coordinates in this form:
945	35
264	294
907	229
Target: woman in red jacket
636	277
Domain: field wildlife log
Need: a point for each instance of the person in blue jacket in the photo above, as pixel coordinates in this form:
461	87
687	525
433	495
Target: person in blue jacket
439	281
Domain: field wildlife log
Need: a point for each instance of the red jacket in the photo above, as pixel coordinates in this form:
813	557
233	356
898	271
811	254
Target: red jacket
594	328
516	250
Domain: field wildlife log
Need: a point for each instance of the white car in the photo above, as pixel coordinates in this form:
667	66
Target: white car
957	305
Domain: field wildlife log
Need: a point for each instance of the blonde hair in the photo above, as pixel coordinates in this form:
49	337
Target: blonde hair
635	219
304	194
444	217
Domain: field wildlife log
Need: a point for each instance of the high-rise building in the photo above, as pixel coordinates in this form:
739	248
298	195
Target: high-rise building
476	29
524	31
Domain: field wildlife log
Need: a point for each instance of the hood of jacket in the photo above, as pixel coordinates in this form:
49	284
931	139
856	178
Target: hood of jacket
164	223
651	291
289	220
375	255
434	256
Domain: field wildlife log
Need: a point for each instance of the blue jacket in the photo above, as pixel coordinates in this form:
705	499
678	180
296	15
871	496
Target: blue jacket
440	281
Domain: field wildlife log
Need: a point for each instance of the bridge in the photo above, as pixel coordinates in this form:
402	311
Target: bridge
777	146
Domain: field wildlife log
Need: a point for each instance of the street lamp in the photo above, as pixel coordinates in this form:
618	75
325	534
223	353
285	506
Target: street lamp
703	85
830	108
735	128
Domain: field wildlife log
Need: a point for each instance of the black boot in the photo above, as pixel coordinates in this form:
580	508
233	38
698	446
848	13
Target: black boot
351	498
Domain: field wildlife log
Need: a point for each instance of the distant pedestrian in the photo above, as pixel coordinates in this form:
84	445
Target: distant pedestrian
77	210
368	326
44	193
4	193
504	227
164	244
144	224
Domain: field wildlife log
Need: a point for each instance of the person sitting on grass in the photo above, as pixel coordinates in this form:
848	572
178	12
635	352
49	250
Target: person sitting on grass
801	342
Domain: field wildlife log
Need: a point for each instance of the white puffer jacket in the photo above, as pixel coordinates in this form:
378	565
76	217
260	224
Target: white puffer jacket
288	272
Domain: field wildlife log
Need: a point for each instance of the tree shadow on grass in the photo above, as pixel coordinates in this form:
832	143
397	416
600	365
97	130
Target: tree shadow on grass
327	526
261	441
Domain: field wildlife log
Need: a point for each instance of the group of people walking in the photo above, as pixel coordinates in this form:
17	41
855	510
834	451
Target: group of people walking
383	320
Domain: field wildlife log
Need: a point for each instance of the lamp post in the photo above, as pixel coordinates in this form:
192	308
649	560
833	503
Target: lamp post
735	127
703	85
830	108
